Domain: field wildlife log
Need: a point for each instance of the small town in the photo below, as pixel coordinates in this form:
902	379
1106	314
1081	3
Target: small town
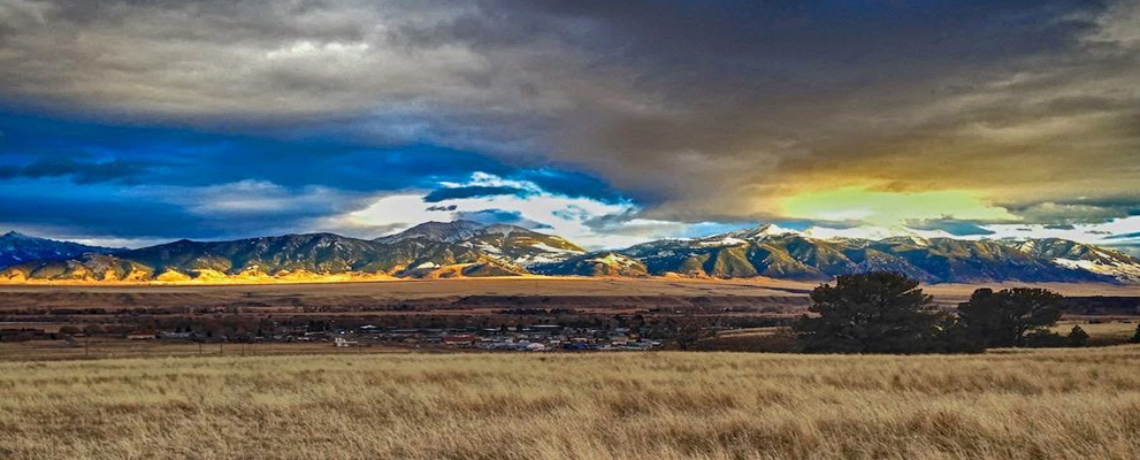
536	338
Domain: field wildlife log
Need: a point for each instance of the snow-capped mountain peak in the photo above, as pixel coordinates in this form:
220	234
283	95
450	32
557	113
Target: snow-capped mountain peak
446	232
743	236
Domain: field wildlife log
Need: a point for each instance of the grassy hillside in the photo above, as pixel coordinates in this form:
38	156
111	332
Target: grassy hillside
1038	404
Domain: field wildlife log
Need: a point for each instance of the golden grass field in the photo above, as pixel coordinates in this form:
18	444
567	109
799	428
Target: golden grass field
1039	404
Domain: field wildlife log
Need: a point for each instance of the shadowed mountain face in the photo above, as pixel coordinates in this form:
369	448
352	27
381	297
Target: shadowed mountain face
16	248
470	249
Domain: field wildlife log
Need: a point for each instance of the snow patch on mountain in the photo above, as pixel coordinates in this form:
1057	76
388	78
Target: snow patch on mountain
614	260
548	248
1125	272
726	241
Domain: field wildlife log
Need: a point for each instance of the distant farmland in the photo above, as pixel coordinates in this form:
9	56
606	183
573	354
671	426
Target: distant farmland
1040	404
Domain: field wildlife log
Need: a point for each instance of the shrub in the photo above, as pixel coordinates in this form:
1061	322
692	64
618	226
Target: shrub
1042	338
1078	337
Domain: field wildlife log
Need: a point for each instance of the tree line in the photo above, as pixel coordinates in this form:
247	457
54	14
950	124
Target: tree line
887	312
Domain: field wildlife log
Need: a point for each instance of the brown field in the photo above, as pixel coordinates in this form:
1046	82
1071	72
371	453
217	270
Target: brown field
231	309
1040	404
115	348
581	292
1107	332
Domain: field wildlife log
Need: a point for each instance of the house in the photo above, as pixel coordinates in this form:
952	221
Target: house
343	342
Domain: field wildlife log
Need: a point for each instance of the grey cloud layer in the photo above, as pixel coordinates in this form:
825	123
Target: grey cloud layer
704	111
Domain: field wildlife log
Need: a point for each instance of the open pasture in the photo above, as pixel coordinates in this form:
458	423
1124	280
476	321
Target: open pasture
1039	404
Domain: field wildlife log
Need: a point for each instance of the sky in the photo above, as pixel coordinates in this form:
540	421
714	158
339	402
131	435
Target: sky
136	122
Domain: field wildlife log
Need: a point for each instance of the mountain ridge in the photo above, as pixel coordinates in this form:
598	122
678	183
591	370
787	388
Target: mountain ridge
465	248
16	248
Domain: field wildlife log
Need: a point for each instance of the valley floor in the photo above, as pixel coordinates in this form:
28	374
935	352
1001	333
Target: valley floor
111	295
1039	404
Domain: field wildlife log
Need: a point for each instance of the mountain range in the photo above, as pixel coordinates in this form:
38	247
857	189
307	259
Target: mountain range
17	248
470	249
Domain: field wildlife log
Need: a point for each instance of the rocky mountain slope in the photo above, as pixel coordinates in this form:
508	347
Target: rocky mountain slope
597	264
429	250
470	249
1086	257
506	243
780	254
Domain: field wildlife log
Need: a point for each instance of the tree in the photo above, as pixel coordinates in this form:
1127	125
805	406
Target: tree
1136	336
1004	318
1078	337
955	337
876	312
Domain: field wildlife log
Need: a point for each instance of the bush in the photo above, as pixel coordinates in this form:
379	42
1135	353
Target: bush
1078	337
1042	338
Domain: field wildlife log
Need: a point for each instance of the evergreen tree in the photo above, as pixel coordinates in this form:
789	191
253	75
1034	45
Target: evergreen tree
877	312
1004	318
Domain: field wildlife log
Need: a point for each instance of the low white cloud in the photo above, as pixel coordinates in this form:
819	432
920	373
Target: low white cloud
1094	233
591	223
1112	232
872	232
565	216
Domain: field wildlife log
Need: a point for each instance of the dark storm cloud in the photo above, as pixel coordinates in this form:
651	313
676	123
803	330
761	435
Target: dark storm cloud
501	216
570	183
80	172
699	110
168	184
476	191
1061	213
164	213
97	216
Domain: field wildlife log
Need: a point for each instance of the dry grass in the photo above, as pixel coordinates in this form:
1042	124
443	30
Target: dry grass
1041	404
107	348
